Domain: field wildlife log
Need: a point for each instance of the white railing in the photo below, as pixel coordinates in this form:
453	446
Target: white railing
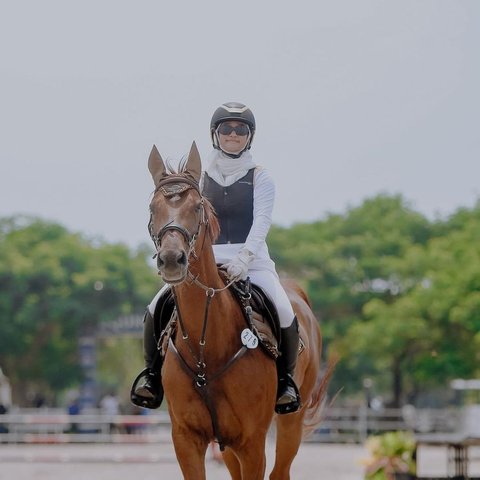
56	426
339	425
353	425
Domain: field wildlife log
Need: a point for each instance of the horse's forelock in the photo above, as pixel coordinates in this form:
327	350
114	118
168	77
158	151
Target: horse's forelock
172	170
180	168
182	165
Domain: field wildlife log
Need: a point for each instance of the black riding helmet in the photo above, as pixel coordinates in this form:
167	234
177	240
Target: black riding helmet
232	111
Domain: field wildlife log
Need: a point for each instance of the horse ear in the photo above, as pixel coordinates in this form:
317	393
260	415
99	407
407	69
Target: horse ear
194	164
156	165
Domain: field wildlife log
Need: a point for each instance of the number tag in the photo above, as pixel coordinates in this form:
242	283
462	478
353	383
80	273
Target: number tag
249	339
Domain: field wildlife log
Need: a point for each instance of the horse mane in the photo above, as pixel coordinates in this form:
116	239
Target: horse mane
212	221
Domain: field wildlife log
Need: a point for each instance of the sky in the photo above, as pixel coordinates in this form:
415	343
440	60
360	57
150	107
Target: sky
352	99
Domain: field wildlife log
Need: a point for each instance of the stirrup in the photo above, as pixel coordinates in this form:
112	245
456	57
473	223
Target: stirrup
292	406
140	401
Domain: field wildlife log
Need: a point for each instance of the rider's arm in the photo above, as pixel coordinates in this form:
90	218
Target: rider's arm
263	200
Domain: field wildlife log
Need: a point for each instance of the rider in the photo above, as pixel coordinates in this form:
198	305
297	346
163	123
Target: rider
242	194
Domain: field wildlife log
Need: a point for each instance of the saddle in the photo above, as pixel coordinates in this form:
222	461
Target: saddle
259	312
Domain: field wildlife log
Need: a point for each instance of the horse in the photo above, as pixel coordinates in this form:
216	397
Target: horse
217	388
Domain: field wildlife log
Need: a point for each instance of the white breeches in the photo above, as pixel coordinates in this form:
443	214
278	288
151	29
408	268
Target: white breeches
273	288
270	284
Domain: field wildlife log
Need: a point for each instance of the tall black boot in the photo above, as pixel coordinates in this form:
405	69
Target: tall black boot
288	396
149	394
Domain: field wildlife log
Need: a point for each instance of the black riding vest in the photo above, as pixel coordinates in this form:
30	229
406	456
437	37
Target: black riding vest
234	207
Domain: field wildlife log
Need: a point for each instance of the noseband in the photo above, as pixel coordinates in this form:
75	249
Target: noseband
170	186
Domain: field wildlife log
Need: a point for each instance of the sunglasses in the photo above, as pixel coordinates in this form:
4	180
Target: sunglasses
226	129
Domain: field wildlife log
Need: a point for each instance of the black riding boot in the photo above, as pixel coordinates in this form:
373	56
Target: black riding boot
149	394
288	396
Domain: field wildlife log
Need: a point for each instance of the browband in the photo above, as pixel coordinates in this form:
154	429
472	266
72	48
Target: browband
171	185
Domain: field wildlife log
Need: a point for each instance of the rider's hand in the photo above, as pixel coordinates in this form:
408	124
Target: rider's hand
237	268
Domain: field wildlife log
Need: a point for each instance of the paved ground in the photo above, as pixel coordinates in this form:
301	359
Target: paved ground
153	462
157	461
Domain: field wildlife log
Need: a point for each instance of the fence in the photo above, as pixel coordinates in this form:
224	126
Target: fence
346	425
353	425
56	426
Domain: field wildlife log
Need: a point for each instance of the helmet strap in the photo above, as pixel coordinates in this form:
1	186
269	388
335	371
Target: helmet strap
216	145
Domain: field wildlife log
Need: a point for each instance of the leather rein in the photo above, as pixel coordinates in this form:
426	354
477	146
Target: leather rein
198	374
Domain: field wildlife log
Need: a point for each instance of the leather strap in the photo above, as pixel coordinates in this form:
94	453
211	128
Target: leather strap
201	384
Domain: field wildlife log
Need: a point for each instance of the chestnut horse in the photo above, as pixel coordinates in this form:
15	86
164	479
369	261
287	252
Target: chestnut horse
217	388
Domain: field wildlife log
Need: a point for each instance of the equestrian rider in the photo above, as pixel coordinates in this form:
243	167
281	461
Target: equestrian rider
242	194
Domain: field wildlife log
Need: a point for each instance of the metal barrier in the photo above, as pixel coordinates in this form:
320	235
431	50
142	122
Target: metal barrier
55	426
354	425
339	425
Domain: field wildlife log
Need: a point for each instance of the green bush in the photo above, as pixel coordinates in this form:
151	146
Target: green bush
390	453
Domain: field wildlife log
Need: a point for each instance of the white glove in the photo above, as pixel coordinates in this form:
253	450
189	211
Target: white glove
237	268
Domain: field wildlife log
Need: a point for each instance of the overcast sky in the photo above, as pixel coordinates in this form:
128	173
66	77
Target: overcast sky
352	98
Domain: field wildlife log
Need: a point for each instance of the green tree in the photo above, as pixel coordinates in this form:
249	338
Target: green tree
431	334
346	261
54	287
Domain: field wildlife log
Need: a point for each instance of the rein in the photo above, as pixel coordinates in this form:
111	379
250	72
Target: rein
194	279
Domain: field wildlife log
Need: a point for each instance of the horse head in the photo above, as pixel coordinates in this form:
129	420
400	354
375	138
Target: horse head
177	214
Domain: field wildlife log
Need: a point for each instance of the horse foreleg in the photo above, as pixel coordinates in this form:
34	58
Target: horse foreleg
190	450
233	464
252	459
289	437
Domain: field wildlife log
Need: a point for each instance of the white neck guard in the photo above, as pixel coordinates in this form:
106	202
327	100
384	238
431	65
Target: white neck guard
226	170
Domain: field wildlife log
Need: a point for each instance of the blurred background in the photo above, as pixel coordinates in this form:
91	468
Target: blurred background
367	118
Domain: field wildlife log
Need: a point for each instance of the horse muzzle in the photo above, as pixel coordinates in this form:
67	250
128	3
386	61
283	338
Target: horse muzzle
172	265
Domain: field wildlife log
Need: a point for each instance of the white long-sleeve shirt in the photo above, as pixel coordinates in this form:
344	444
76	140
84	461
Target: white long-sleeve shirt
263	201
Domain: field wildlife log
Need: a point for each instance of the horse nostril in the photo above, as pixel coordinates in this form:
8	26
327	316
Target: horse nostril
160	261
182	259
171	259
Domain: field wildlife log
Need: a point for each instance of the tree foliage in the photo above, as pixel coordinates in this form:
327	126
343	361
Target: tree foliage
397	295
54	287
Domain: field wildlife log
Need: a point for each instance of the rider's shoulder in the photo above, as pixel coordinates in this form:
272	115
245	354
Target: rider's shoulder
262	175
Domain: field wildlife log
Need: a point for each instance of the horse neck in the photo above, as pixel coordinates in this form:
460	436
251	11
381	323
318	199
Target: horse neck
224	313
203	265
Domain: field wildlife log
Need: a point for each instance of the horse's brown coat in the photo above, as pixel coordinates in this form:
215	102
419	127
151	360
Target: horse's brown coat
244	396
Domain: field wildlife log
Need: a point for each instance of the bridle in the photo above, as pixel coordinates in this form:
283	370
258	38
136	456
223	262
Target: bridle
170	186
175	185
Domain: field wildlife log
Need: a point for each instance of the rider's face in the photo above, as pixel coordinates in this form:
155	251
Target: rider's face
233	142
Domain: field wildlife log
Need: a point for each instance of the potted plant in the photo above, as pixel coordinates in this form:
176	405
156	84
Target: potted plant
391	457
